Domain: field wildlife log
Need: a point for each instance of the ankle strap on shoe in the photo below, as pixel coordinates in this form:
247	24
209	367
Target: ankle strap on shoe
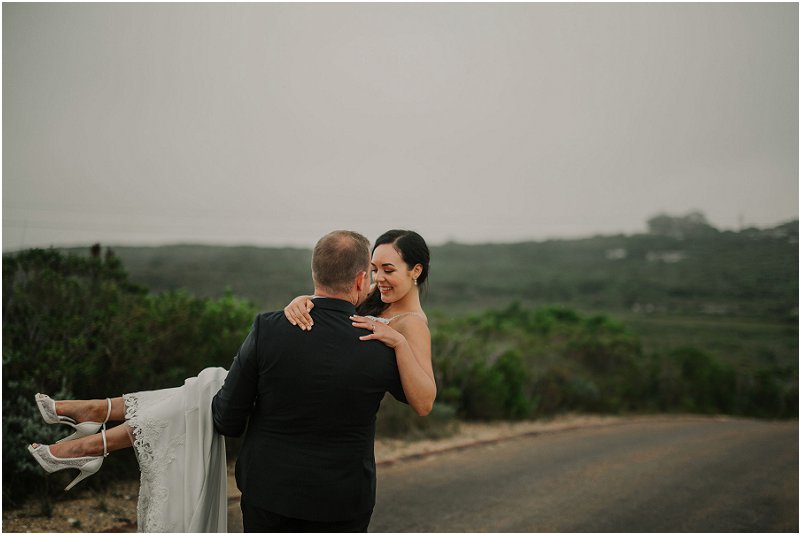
105	442
108	413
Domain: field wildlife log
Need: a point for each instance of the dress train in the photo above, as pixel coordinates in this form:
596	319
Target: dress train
184	478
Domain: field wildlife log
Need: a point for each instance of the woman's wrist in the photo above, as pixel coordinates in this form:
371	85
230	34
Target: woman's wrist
399	342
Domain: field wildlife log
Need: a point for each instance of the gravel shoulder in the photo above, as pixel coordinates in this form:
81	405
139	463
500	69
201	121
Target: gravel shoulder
115	509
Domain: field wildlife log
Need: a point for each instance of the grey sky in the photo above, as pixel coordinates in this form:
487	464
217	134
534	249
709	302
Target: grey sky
271	124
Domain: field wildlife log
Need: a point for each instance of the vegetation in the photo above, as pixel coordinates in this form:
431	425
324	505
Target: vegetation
682	319
750	274
669	270
77	328
523	363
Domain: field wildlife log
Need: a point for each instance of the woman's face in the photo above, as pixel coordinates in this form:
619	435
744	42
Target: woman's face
391	275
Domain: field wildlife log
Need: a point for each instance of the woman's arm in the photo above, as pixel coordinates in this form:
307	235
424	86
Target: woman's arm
412	345
297	311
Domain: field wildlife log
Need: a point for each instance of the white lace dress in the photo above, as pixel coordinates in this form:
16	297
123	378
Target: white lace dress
182	458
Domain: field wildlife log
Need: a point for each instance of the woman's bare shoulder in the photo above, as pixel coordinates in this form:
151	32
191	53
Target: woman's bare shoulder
397	318
411	324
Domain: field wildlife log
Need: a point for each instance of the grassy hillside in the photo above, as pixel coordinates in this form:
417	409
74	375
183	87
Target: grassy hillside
753	273
270	277
732	293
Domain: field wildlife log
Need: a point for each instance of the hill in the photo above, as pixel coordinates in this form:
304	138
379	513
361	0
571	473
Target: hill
752	273
683	283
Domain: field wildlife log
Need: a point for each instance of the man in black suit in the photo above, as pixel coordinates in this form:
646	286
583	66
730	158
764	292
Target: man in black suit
309	400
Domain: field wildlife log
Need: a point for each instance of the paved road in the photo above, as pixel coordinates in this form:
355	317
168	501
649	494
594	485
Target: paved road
685	475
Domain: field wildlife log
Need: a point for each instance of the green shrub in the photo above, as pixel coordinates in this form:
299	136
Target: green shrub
517	398
516	362
396	420
769	392
485	393
74	327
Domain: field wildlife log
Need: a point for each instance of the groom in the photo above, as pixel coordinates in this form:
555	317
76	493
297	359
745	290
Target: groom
309	400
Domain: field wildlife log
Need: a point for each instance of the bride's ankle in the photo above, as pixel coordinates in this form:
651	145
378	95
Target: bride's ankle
70	449
93	410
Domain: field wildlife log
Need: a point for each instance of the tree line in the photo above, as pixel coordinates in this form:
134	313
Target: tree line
682	265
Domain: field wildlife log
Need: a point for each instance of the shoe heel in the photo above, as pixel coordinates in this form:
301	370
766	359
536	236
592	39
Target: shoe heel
87	470
83	429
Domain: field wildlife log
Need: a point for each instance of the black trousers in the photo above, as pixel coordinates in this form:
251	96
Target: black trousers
258	520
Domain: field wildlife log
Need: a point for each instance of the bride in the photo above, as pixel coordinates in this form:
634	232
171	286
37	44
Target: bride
181	457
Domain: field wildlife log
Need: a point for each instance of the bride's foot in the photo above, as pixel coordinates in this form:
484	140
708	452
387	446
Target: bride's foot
75	448
74	413
115	438
62	456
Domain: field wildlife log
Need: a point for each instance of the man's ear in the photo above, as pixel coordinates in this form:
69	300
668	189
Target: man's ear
362	280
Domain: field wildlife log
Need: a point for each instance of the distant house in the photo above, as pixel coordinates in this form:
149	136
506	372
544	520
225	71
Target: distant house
668	257
616	254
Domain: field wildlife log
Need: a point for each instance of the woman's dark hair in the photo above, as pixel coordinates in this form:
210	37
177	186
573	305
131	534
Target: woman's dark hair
413	249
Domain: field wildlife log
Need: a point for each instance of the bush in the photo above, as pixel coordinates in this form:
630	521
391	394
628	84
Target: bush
396	420
517	363
74	327
768	393
485	393
516	396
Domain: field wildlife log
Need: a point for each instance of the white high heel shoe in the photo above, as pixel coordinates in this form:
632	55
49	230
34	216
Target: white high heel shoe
51	463
48	409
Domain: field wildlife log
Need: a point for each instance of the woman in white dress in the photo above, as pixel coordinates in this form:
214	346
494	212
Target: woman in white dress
182	459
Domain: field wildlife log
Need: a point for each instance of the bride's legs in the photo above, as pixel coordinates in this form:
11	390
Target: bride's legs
91	410
117	438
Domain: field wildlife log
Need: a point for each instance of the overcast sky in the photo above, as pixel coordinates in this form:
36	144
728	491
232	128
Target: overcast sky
271	124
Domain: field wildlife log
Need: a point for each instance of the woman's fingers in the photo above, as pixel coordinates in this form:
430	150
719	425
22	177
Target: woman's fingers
297	312
305	319
380	331
299	315
363	323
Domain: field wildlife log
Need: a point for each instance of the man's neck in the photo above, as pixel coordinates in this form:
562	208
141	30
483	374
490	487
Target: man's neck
319	292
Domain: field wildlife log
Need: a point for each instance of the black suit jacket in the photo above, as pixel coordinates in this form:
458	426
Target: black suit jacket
311	399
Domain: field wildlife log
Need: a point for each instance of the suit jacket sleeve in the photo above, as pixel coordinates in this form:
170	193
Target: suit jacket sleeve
233	404
396	388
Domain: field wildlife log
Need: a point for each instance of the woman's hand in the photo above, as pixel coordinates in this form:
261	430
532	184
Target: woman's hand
411	341
297	312
380	331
